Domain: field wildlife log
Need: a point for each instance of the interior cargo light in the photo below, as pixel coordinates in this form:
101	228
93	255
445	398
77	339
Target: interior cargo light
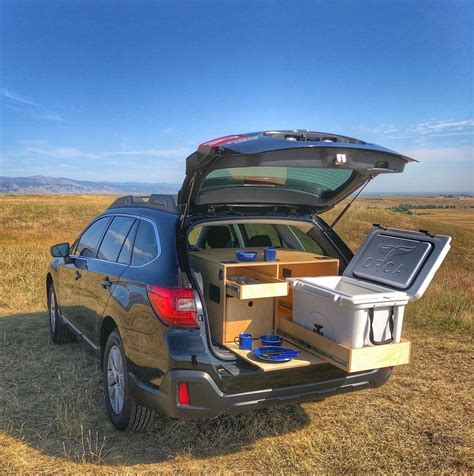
174	306
183	394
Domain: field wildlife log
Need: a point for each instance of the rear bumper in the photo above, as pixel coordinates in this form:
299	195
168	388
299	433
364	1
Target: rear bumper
208	401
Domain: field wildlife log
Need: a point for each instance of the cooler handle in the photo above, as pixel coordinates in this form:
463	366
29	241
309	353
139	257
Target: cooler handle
390	325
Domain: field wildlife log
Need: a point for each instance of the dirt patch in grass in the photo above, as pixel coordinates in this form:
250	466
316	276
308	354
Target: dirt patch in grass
52	416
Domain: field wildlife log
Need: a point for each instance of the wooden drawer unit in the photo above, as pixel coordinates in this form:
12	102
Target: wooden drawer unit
350	360
268	287
234	307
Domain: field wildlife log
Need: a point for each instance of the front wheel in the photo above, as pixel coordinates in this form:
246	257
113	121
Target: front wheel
58	331
124	412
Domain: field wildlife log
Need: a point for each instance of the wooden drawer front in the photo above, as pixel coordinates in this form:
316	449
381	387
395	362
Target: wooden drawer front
270	287
350	360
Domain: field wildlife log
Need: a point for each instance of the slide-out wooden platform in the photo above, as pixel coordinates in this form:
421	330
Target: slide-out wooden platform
303	360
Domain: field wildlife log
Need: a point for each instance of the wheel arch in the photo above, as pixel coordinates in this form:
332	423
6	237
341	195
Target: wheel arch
49	281
108	325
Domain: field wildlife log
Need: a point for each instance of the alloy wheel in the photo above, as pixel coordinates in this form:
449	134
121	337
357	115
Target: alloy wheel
52	311
115	379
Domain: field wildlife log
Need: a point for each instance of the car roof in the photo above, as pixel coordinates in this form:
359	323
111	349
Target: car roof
139	212
154	202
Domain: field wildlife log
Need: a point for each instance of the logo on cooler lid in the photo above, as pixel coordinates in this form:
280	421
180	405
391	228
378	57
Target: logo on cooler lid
387	264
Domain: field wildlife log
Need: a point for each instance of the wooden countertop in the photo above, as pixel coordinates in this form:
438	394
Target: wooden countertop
226	256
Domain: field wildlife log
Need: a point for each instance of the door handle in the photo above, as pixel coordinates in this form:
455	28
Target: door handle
106	283
77	276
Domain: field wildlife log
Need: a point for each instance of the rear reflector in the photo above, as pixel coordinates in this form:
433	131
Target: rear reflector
183	394
174	306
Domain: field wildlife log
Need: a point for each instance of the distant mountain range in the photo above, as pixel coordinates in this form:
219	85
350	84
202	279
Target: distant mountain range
41	185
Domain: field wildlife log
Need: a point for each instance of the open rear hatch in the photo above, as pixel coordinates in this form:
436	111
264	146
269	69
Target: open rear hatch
306	171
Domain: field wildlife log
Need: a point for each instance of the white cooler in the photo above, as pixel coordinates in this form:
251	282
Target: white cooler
365	305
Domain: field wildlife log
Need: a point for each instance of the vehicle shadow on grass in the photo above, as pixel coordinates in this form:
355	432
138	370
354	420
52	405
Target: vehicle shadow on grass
52	400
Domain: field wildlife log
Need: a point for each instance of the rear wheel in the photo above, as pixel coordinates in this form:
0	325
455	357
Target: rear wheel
124	412
58	331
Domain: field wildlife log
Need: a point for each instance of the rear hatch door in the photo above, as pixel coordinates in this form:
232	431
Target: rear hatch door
307	171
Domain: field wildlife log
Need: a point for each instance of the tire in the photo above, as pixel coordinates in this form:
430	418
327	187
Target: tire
123	411
59	332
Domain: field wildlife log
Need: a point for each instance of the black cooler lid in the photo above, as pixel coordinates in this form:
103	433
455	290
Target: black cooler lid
399	259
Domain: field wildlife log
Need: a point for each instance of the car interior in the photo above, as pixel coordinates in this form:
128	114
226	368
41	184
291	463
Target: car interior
254	296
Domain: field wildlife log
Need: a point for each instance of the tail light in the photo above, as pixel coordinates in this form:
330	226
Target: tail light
174	306
183	394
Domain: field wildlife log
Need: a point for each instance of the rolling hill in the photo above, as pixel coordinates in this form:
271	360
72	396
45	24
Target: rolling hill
42	185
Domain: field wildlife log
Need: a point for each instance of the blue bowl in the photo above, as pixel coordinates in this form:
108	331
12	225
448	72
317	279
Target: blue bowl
271	339
246	255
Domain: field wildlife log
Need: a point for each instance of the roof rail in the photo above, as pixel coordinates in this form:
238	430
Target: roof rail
163	203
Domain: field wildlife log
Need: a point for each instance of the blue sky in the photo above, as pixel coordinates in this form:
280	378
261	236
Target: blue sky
120	91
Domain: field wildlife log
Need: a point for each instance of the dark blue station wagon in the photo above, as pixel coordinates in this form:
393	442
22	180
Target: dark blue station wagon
144	285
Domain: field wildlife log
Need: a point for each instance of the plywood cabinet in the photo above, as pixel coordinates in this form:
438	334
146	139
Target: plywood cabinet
233	306
252	316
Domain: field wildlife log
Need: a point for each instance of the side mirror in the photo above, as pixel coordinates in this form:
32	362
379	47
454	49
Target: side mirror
60	250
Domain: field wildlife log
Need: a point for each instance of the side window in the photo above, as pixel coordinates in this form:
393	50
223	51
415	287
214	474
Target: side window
308	243
114	238
126	252
219	236
145	248
262	234
89	240
194	236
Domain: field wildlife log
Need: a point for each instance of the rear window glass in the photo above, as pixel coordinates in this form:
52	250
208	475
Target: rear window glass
126	252
145	248
318	181
114	238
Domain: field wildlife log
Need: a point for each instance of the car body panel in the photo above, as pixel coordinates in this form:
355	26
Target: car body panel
93	296
67	287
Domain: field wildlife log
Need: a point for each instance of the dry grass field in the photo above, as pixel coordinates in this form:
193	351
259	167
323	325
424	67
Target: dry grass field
52	418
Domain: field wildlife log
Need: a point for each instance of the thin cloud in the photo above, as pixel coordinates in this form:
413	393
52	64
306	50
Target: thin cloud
14	97
33	109
441	154
37	157
432	128
71	153
177	153
64	153
445	127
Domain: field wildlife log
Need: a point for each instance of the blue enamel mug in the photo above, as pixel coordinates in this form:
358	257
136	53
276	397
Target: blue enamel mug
269	254
244	341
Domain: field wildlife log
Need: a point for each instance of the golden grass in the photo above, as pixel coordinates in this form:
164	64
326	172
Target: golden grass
51	410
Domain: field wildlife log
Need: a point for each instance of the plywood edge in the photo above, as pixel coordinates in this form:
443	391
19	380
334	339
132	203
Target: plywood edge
380	356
